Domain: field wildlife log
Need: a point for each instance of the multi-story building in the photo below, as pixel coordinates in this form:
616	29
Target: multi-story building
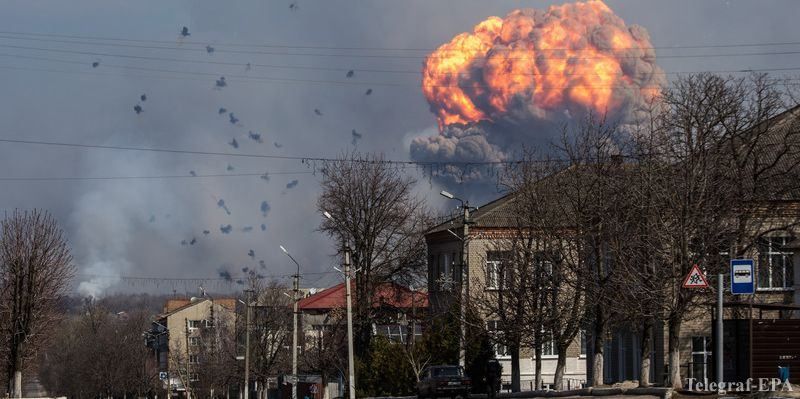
175	336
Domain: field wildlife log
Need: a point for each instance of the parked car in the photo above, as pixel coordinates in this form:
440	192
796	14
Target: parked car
443	381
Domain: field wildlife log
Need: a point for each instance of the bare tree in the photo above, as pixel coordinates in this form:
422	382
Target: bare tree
375	212
723	160
35	271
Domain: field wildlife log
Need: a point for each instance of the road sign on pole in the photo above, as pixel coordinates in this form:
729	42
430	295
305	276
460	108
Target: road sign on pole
695	279
162	375
742	279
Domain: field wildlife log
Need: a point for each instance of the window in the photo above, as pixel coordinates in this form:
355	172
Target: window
775	268
494	270
193	325
701	357
500	348
583	343
194	359
549	346
194	341
194	377
446	272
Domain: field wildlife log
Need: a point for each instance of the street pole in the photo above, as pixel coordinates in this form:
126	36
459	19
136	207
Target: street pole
295	297
247	347
350	366
462	345
294	334
718	338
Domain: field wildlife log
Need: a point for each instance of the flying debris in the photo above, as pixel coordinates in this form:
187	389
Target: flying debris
138	109
143	97
194	241
264	208
263	227
225	274
317	111
262	264
247	67
350	73
247	229
254	136
152	218
293	6
292	184
234	143
233	119
225	229
95	64
368	92
209	49
183	242
356	136
222	111
277	144
185	32
192	173
221	204
240	282
251	253
221	82
206	232
230	168
265	177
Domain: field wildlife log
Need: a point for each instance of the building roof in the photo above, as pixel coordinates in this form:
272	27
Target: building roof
176	305
497	213
386	294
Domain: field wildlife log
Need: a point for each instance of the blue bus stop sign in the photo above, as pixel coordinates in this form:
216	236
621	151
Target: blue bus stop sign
742	276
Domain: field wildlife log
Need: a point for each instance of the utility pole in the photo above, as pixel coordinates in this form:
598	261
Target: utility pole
350	365
462	345
718	338
294	336
249	293
295	298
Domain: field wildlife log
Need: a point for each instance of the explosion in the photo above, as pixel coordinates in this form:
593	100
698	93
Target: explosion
530	67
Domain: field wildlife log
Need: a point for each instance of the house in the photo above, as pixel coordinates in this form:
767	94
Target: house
175	335
773	312
400	308
483	254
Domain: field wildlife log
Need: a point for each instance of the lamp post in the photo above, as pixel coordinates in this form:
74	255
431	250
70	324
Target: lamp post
249	293
350	363
296	289
462	351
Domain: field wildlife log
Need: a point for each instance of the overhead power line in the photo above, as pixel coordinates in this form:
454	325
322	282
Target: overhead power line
359	48
398	56
311	68
148	177
233	154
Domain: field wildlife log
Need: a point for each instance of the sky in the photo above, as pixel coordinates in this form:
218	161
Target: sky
301	105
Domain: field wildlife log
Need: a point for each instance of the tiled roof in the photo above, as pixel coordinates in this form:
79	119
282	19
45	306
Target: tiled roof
227	303
386	294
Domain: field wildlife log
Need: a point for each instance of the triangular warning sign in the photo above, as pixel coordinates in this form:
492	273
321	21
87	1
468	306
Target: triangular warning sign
695	279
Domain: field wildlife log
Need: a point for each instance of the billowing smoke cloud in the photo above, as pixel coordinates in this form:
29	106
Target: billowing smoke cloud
515	80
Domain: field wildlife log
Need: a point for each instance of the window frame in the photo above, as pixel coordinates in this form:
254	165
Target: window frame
768	248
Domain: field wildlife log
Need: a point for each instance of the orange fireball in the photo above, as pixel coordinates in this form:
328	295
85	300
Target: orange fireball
574	57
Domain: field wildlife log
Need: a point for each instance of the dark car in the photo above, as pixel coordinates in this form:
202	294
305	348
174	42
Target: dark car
443	381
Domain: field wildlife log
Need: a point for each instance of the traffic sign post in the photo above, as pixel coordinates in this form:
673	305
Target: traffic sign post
742	279
695	279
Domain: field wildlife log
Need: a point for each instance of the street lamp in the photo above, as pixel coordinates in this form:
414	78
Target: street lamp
296	288
464	276
249	293
350	366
